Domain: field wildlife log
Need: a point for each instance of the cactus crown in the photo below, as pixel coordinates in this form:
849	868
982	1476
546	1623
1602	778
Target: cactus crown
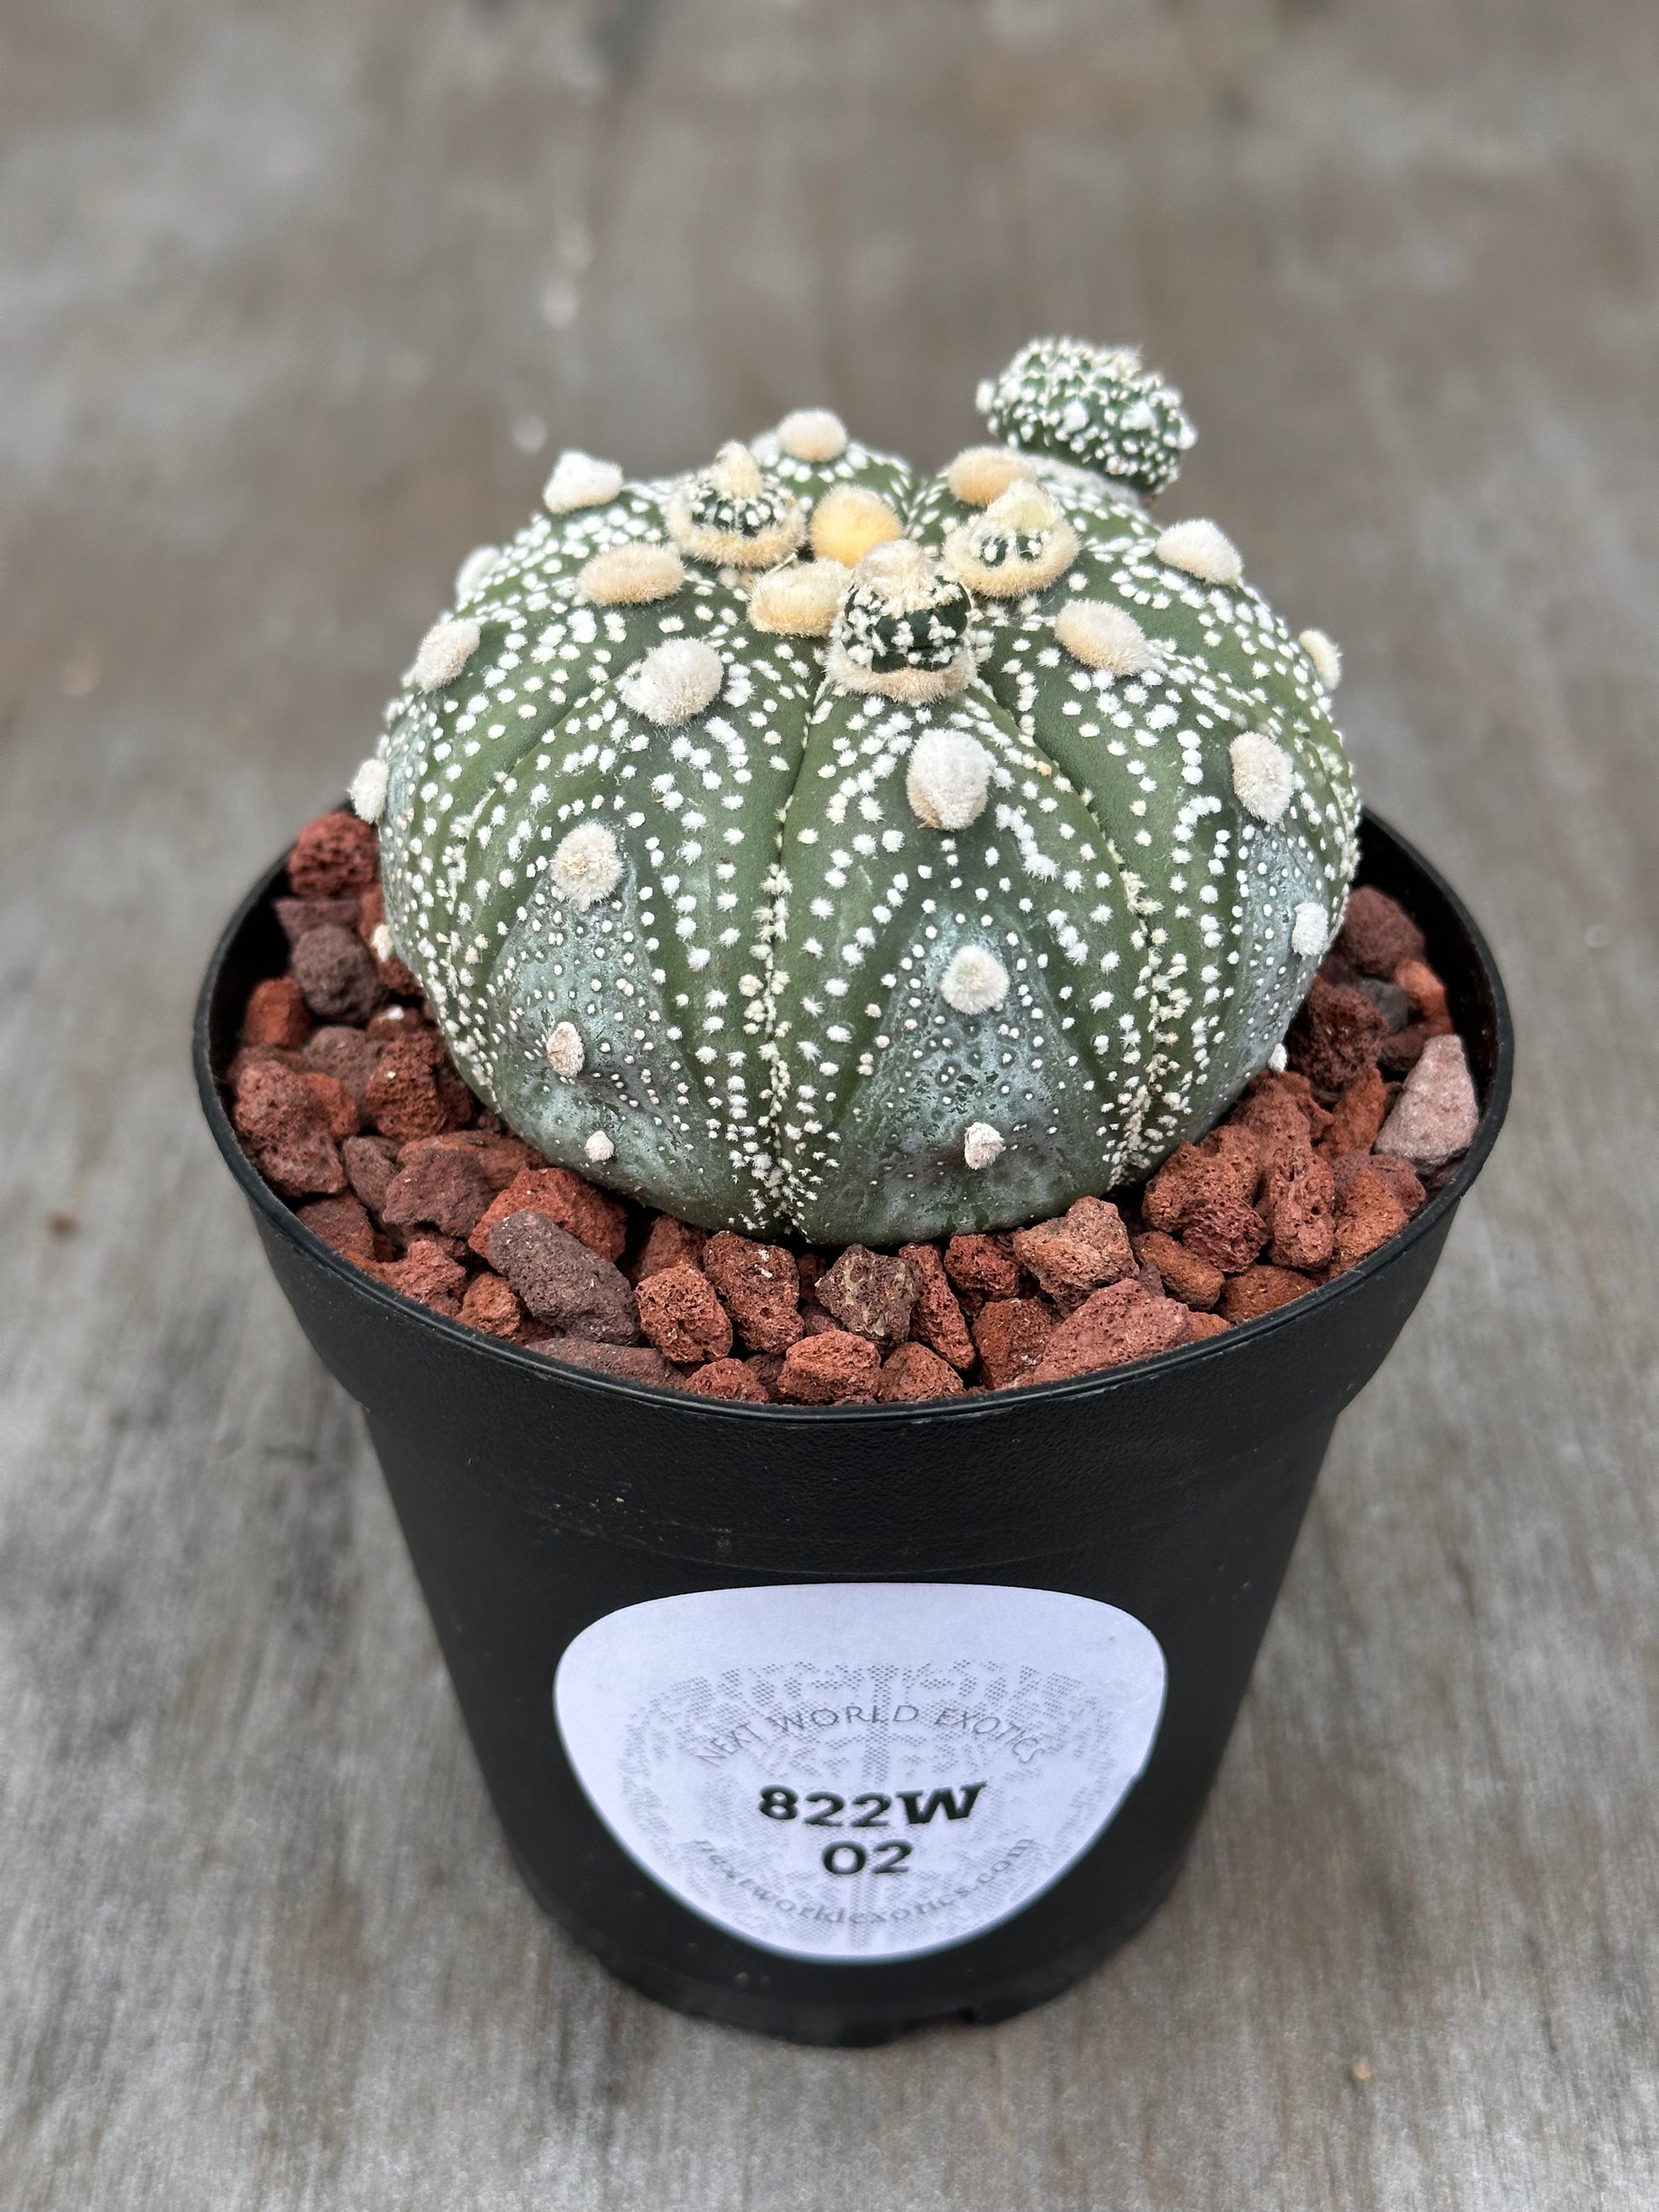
810	844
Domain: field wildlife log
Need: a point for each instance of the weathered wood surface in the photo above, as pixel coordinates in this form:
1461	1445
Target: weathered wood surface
277	287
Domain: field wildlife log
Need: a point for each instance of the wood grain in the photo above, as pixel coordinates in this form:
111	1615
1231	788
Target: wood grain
278	288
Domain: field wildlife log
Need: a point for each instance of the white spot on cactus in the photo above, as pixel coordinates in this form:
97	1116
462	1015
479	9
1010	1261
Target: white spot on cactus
1021	543
566	1056
599	1148
1308	929
849	522
1263	777
369	789
1278	1061
975	981
1199	550
443	652
948	779
674	680
587	867
1325	656
812	434
1103	635
798	601
578	480
982	1146
380	942
631	575
474	571
980	474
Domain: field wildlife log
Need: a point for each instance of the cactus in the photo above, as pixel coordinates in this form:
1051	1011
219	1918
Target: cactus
809	845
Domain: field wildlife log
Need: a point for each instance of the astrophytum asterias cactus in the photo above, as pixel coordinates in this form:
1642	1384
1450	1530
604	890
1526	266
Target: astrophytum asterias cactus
809	844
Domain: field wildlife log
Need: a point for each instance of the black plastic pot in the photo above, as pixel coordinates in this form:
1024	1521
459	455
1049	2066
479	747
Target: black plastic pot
791	1756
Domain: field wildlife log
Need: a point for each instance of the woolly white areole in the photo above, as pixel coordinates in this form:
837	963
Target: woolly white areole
849	522
578	480
566	1056
674	680
1199	550
975	981
1021	543
443	652
475	570
1310	929
948	779
1325	656
631	575
1103	635
369	789
812	434
1263	777
982	1146
799	601
587	867
598	1148
980	474
380	942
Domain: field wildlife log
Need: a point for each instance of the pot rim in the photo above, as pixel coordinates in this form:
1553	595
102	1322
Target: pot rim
1102	1382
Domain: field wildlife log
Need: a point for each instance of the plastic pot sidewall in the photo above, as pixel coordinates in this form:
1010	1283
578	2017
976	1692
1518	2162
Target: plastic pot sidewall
538	1500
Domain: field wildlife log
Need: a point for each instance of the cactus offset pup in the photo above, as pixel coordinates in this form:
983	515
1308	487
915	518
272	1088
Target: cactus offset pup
809	844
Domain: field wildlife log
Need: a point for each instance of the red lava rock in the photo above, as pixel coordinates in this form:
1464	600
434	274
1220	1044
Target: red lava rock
558	1280
1185	1275
1259	1290
1298	1202
1225	1231
1224	1165
670	1243
346	1054
390	1022
427	1272
1278	1106
572	1205
1116	1324
401	1097
296	915
816	1319
937	1320
869	1294
1437	1115
370	1163
490	1304
501	1158
439	1183
335	970
630	1363
1377	933
342	1225
1011	1334
984	1264
1207	1324
766	1367
276	1014
913	1374
1400	1054
1337	1035
759	1286
284	1125
335	854
681	1315
1425	995
1368	1213
337	1103
1084	1249
835	1369
727	1378
1399	1176
1356	1117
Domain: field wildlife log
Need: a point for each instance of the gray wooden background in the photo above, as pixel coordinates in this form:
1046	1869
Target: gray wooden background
297	300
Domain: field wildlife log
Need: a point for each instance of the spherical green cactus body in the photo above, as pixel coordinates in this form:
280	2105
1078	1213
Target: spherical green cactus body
809	845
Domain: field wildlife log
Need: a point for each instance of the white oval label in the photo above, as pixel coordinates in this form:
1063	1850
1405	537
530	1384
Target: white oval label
860	1771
